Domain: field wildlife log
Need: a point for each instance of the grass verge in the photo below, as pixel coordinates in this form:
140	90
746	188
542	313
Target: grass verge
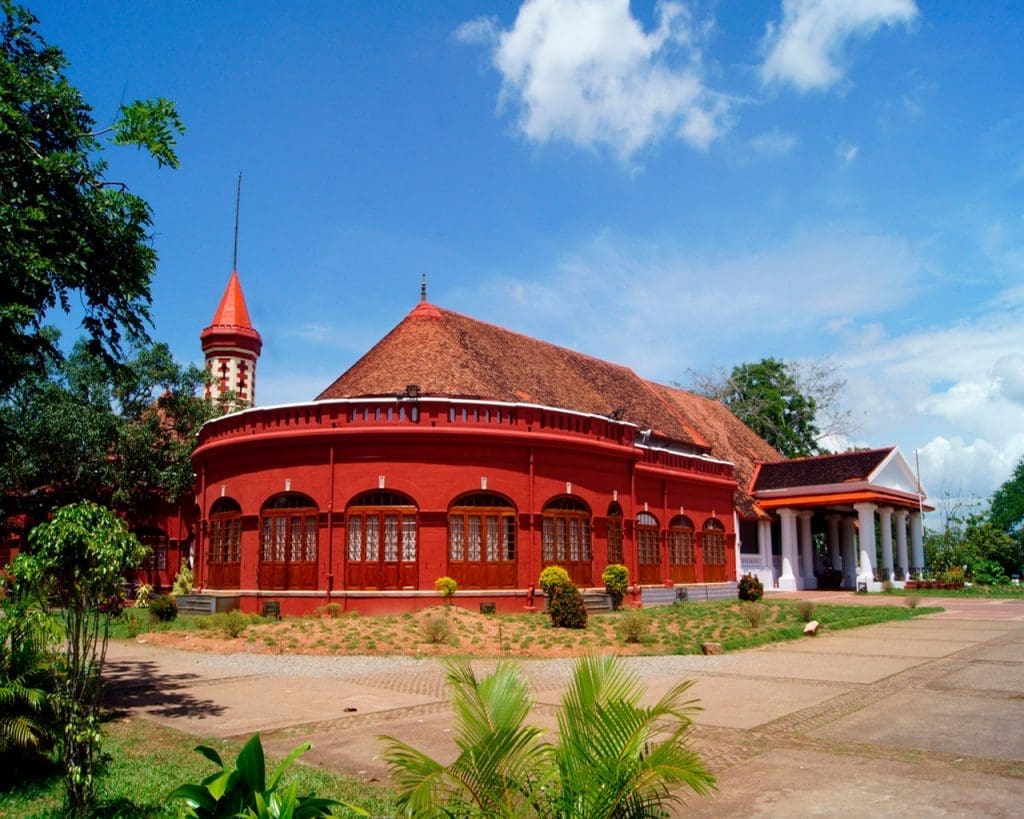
147	761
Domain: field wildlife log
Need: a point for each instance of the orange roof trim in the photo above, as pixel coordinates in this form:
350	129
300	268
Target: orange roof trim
841	498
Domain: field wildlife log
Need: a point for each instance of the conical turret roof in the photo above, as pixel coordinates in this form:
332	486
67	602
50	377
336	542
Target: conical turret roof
231	321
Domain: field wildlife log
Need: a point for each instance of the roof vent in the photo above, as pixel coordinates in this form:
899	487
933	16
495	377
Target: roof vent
412	390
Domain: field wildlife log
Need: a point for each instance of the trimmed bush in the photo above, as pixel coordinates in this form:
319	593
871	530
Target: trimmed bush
616	583
446	587
566	607
553	576
750	588
633	626
163	608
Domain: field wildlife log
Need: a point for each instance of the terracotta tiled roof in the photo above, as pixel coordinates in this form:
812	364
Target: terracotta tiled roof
846	467
730	440
448	354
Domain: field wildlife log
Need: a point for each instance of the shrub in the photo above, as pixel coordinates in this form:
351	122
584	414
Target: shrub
142	595
332	609
436	629
245	790
446	587
912	601
754	612
553	576
750	588
633	626
182	580
566	608
233	623
616	582
805	608
163	608
988	573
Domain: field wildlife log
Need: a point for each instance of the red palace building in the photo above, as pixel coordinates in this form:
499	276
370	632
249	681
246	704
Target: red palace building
456	447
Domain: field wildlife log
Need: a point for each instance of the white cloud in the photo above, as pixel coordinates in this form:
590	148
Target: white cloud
586	72
954	391
660	309
846	152
773	143
805	49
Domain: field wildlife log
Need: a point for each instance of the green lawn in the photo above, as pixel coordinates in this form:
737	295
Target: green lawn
147	761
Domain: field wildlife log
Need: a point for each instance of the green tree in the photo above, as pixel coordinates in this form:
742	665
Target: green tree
766	398
120	436
613	757
792	405
1007	508
65	228
74	569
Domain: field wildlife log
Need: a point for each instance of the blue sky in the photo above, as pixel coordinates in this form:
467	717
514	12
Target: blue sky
672	186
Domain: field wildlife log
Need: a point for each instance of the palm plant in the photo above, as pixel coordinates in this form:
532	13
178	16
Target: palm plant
500	759
617	758
614	757
26	678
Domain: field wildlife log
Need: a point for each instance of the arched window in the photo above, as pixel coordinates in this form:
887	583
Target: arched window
647	551
713	543
156	540
381	529
482	541
565	538
289	526
682	562
224	545
615	554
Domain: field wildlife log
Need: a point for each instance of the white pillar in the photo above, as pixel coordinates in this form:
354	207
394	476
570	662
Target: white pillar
833	540
807	550
916	541
764	552
788	580
866	532
885	526
849	556
901	543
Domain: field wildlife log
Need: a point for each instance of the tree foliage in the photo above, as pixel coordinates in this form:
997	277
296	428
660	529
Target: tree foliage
65	228
794	406
969	537
613	757
120	436
75	569
1007	508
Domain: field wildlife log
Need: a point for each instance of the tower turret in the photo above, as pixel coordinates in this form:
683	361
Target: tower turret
231	347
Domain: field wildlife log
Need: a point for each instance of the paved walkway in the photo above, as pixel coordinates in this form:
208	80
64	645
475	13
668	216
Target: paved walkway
922	718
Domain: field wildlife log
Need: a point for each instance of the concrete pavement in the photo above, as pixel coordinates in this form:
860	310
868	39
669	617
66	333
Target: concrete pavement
924	717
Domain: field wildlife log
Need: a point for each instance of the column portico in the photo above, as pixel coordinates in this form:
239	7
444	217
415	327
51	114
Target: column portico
764	552
849	552
832	522
916	542
901	543
807	550
885	527
866	537
788	579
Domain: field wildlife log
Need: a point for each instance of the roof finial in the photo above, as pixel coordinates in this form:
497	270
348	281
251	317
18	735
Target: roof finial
238	202
423	288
